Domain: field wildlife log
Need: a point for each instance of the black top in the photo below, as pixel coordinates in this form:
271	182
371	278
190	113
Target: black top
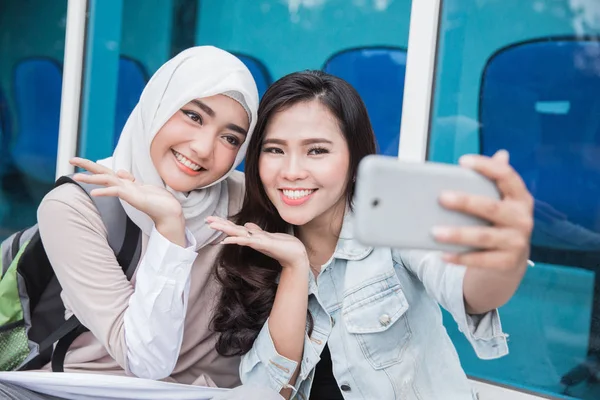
324	385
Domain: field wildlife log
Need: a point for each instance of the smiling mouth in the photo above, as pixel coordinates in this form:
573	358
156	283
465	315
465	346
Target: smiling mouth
297	194
296	197
186	162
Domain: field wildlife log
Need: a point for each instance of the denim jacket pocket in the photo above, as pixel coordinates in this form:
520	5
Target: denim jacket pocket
376	316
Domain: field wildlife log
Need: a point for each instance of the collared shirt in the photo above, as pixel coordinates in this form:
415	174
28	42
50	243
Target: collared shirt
155	317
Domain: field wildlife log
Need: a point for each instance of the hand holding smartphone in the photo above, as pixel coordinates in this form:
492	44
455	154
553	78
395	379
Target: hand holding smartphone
397	203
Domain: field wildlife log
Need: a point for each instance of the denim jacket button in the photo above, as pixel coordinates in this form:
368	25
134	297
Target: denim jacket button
385	320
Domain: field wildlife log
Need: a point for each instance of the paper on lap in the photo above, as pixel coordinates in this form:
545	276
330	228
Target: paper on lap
95	386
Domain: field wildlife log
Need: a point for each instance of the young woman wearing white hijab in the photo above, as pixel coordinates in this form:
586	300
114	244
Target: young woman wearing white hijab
174	166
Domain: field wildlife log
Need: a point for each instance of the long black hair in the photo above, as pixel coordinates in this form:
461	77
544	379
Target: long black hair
249	278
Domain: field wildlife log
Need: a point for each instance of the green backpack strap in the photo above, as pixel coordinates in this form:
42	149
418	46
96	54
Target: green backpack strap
124	238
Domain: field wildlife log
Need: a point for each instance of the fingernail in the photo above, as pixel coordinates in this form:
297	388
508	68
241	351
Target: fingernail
449	197
449	257
467	161
441	232
502	154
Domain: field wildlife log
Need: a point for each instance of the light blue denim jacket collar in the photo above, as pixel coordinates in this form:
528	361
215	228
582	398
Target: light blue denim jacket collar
348	248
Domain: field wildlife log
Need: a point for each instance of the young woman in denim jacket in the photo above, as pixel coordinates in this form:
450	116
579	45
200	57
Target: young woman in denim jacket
317	315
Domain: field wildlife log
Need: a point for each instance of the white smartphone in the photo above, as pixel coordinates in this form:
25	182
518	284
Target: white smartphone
396	203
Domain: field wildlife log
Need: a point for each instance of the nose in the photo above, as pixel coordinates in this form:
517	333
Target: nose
293	169
204	145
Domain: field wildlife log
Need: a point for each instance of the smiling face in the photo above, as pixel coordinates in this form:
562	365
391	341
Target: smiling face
199	143
304	163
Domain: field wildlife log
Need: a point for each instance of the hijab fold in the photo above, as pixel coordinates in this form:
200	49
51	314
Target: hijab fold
195	73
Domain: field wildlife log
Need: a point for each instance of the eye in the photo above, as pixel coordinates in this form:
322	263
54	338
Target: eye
233	140
194	116
272	150
315	151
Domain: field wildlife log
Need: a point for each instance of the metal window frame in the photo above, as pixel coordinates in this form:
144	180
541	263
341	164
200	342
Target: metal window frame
71	86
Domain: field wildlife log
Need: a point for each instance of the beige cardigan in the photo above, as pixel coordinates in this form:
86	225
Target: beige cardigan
97	292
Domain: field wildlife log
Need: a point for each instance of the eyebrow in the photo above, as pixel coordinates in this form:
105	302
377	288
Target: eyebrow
237	129
211	113
304	142
204	107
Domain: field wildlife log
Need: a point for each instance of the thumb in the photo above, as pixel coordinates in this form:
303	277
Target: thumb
502	155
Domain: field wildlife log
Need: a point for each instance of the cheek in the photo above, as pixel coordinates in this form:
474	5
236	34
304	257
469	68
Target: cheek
171	134
333	174
224	157
158	148
268	170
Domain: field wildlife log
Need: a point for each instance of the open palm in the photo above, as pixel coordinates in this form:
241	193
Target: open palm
154	201
288	250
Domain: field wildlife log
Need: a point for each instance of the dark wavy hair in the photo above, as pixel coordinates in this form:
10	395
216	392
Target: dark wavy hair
249	278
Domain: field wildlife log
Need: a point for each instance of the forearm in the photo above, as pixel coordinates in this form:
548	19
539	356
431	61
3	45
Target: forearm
287	321
485	290
154	320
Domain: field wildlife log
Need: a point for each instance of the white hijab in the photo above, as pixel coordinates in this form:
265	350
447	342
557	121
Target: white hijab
197	72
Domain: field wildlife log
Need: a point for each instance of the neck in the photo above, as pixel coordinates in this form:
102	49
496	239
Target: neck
320	236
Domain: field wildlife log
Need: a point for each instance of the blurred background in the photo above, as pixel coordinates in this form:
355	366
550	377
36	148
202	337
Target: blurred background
523	75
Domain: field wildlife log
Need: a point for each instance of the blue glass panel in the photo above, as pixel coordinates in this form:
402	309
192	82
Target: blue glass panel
132	80
259	72
378	76
541	104
37	86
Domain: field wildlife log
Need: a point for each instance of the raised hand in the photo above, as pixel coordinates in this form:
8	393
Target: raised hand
156	202
286	249
506	243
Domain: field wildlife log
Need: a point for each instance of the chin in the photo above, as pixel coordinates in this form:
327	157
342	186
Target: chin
179	186
297	218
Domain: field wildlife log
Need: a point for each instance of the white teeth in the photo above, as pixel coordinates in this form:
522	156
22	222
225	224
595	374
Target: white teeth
296	194
191	165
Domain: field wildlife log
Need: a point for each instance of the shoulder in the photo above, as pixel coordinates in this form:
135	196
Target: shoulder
236	185
68	203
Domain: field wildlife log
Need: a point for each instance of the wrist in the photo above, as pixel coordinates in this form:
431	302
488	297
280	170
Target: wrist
173	230
171	221
298	267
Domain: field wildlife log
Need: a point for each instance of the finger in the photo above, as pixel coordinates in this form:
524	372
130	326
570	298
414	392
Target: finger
494	260
90	166
481	237
507	179
99	179
104	192
125	175
213	218
502	156
117	191
503	213
230	230
252	226
240	240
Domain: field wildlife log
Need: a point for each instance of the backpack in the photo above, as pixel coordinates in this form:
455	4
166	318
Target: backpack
32	314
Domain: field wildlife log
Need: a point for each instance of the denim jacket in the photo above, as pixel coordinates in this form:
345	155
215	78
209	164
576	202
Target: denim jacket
378	310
